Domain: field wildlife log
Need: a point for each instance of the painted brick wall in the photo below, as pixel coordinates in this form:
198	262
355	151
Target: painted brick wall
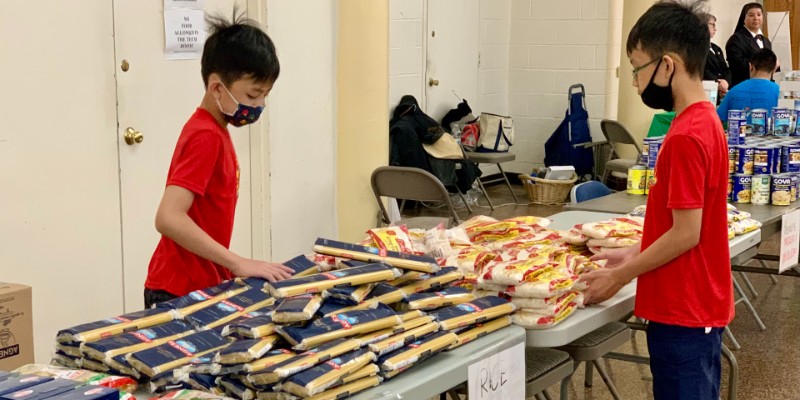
405	50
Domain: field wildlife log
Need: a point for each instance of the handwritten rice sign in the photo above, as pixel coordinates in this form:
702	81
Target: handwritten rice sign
501	376
790	240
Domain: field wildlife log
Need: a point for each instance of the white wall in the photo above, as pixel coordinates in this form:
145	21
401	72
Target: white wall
555	45
405	50
302	126
493	72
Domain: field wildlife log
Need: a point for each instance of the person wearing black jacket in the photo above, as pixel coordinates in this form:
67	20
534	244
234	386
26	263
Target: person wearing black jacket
747	38
716	68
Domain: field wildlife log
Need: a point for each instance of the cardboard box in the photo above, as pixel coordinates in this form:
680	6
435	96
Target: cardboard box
16	326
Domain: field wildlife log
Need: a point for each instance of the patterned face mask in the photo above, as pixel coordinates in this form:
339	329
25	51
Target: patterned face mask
243	115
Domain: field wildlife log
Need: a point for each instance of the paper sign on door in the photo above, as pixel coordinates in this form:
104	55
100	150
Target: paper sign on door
184	29
501	376
790	240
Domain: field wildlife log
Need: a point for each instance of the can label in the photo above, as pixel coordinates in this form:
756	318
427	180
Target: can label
762	161
737	114
760	189
637	180
733	158
744	163
742	185
790	158
737	129
793	188
781	190
730	187
645	151
651	180
758	121
781	121
652	156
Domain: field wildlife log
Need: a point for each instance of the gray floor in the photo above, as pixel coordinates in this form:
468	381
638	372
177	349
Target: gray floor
769	361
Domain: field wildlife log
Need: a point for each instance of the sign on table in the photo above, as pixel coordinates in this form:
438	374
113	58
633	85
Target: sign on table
790	240
501	376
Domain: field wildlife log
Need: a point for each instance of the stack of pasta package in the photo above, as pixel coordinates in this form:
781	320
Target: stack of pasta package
351	317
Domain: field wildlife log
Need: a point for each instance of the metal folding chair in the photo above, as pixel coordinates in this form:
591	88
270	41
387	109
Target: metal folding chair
616	134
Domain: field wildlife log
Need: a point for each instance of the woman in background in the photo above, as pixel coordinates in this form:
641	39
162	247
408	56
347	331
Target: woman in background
716	68
747	38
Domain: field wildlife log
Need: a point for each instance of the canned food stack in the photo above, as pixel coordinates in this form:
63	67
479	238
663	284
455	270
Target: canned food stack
640	176
764	164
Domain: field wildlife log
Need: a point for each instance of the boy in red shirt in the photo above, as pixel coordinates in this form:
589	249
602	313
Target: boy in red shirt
684	286
195	217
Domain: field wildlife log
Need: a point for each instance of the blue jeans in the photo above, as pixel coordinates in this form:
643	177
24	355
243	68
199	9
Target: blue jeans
685	362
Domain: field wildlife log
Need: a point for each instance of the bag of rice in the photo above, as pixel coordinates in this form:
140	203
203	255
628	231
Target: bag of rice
135	341
329	373
615	241
114	326
297	308
433	281
348	294
405	337
745	226
338	326
471	259
442	298
175	354
407	325
517	272
417	351
615	227
553	283
245	351
225	311
316	283
476	311
529	320
555	308
301	362
372	254
392	238
480	330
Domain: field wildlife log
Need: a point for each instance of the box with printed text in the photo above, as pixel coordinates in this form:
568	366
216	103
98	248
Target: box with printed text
16	326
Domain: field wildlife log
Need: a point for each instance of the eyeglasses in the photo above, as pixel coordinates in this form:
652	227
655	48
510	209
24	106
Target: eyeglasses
636	70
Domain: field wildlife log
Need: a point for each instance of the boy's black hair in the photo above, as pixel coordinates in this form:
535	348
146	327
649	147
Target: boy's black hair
745	9
673	27
238	49
764	60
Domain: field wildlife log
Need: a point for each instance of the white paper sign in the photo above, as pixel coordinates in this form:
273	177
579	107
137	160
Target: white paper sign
501	376
184	34
193	4
790	240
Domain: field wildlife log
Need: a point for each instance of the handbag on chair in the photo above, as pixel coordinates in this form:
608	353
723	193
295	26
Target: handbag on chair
497	133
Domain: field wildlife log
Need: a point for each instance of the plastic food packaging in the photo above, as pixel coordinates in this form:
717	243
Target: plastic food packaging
316	283
476	311
245	351
371	254
297	308
338	326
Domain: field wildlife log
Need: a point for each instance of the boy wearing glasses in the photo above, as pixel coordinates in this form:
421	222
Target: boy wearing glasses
684	286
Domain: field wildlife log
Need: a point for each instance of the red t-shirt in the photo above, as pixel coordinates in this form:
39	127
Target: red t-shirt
695	289
205	163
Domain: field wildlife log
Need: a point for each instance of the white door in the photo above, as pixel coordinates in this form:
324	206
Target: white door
59	179
156	96
451	63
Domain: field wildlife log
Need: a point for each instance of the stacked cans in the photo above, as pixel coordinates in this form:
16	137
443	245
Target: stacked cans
764	170
780	122
640	176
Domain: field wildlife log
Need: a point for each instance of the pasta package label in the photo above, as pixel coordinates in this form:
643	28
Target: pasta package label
417	351
174	354
17	383
476	311
297	308
442	298
317	283
339	326
135	341
301	362
481	330
373	254
227	310
301	266
329	373
113	326
42	391
349	295
244	351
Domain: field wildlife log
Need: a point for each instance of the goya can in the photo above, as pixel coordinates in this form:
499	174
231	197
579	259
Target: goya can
650	180
781	121
742	185
758	122
760	189
763	158
790	158
637	179
733	158
794	192
737	128
737	114
730	187
652	150
781	190
744	162
645	151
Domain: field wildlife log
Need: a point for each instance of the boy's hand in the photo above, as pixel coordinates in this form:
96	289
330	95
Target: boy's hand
615	257
603	284
270	271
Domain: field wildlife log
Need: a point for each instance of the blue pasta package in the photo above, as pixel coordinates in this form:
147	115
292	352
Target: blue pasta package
346	324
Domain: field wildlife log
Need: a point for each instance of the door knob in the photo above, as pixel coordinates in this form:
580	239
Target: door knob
133	136
433	82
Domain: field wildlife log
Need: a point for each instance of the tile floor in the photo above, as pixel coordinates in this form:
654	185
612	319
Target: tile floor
769	361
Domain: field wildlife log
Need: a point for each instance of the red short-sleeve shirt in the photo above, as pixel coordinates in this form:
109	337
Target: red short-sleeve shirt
205	163
694	289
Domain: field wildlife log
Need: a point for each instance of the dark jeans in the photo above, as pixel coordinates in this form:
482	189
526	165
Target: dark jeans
151	297
685	362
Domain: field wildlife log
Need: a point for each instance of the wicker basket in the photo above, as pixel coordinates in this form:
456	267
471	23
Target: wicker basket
547	191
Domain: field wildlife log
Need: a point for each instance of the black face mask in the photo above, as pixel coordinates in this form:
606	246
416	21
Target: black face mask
658	97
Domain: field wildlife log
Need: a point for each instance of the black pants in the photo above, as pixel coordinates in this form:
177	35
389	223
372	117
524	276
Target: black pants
151	297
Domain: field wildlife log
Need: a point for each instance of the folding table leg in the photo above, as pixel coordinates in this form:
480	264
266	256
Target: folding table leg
748	284
503	173
733	374
764	265
743	298
735	343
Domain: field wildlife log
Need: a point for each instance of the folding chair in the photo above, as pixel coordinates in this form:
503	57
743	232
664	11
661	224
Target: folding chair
616	135
409	183
588	190
496	159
